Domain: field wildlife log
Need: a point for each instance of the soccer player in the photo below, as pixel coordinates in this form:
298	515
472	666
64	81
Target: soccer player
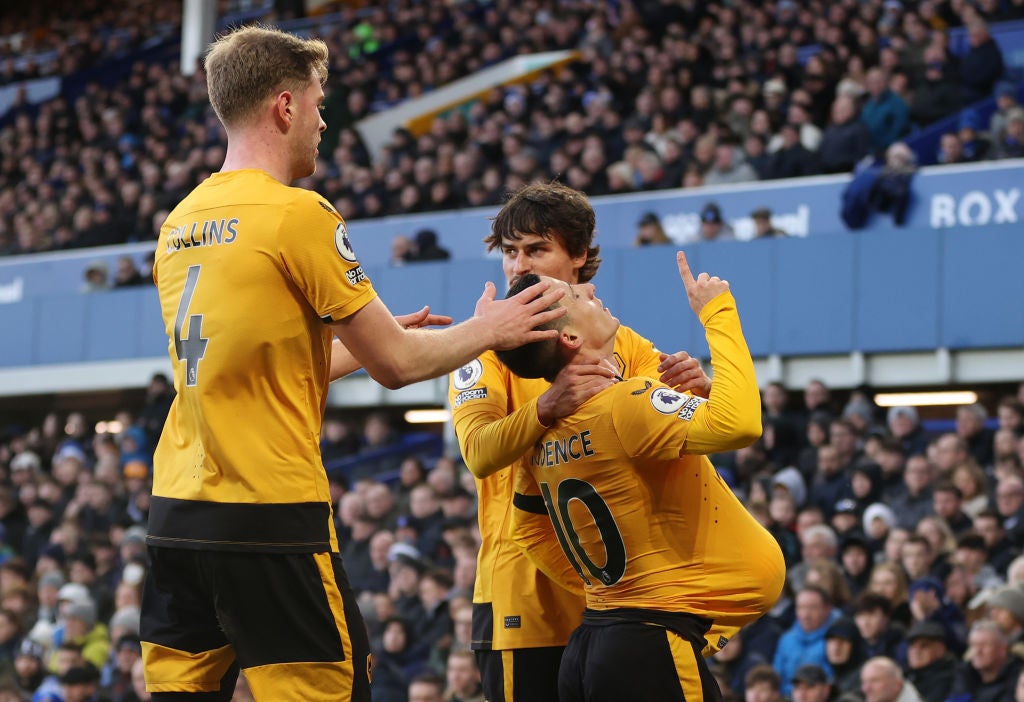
621	496
521	619
255	279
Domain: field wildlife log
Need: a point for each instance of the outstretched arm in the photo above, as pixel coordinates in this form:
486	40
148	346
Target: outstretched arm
343	362
396	357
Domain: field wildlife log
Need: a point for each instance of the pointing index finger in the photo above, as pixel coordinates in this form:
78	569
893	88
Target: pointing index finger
684	269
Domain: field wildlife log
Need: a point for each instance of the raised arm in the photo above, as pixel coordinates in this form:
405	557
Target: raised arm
731	417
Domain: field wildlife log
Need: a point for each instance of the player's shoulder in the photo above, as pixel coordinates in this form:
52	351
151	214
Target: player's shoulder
312	203
639	396
481	370
628	340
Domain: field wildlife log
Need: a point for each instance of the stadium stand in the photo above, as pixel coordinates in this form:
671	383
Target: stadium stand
100	134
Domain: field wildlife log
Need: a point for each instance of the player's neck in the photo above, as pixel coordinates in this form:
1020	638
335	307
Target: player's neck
256	149
605	357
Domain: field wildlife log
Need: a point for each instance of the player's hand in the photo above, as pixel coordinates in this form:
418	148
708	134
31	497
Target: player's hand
422	318
683	372
513	321
574	385
702	289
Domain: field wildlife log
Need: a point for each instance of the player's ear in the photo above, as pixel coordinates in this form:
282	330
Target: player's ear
569	339
284	108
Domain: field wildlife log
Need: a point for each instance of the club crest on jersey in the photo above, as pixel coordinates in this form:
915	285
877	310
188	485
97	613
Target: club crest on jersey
467	376
667	401
343	244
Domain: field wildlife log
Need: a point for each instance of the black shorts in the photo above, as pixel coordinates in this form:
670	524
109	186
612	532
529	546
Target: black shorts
289	620
520	675
617	657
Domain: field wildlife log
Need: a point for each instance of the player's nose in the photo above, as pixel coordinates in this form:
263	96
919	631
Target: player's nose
522	263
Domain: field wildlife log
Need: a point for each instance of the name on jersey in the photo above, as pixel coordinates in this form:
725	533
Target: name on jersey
467	395
558	451
211	232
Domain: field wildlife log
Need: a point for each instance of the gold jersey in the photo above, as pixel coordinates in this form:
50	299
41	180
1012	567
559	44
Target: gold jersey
250	273
516	605
619	496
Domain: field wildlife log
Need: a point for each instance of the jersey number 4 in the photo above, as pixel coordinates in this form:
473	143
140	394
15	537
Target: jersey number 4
192	348
615	549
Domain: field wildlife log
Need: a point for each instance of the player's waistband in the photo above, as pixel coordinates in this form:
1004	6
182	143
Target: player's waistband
299	527
689	626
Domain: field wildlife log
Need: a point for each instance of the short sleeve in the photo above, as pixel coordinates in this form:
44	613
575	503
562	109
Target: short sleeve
317	254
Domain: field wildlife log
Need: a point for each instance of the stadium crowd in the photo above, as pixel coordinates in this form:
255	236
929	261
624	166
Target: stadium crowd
663	94
893	536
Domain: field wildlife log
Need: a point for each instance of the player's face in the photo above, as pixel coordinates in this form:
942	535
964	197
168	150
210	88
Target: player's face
589	317
532	253
307	126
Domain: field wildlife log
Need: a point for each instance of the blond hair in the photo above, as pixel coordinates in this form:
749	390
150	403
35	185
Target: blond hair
249	65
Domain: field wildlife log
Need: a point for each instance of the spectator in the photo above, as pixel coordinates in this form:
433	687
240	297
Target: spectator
712	226
127	275
915	502
884	112
1009	504
905	426
947	503
792	159
989	672
426	247
846	140
756	155
872	613
811	684
889	580
982	66
970	426
930	665
855	558
1010	143
763	227
402	250
1006	609
976	146
426	687
882	681
844	649
938	95
951	149
817	542
762	684
1006	94
729	167
989	524
649	231
96	277
80	683
394	665
463	678
804	642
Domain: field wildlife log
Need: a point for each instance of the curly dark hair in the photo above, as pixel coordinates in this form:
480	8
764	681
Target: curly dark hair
550	210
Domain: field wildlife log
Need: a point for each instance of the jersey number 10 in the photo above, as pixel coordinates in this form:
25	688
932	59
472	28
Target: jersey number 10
614	547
